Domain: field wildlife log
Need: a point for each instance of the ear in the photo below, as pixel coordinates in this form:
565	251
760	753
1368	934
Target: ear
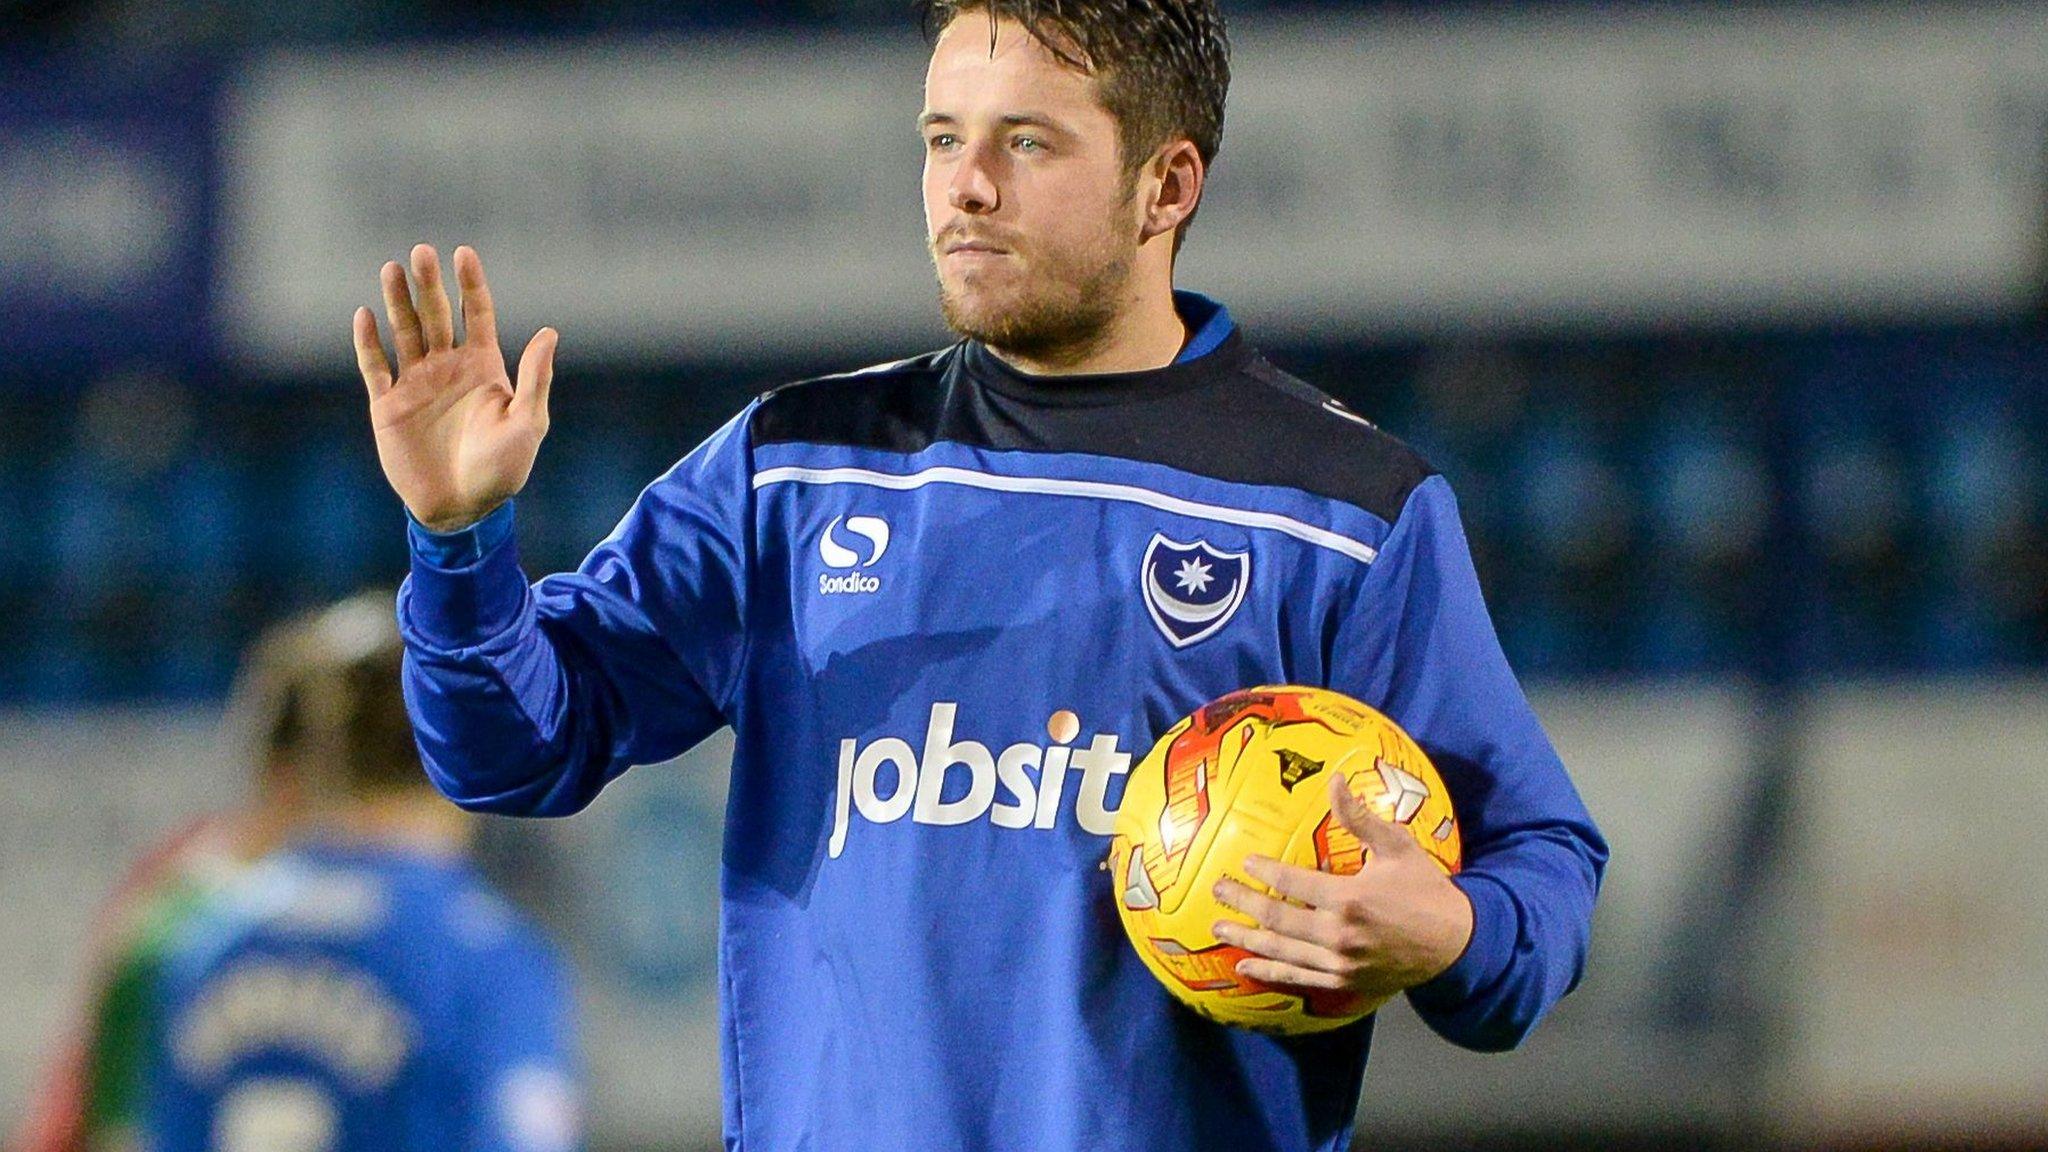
1174	178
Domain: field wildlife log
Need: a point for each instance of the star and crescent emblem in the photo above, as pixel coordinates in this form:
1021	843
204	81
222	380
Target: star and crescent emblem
1192	590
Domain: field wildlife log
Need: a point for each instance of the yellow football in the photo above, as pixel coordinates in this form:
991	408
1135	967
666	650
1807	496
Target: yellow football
1249	775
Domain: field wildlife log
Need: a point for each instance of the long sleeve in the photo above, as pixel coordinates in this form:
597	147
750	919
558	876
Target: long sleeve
529	700
1421	646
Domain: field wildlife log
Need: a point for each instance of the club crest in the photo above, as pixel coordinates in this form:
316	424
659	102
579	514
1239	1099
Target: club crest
1192	590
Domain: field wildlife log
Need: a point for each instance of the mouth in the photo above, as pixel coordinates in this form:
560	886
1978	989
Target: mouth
962	244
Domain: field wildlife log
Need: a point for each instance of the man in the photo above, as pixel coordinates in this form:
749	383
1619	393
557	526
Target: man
362	988
927	598
90	1098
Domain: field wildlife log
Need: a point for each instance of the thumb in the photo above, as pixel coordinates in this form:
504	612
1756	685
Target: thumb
536	374
1357	816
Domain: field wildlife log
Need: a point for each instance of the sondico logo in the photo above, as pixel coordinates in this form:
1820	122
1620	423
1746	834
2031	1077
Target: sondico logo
875	531
1032	778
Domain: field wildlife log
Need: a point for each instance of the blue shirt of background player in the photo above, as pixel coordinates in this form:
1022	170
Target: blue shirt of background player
344	998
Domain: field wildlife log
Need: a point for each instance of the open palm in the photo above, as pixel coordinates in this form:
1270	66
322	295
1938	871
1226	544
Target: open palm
455	439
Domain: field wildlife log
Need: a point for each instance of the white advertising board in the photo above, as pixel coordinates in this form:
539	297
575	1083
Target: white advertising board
1920	988
707	200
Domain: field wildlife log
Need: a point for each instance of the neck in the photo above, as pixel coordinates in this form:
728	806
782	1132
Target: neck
1145	333
420	824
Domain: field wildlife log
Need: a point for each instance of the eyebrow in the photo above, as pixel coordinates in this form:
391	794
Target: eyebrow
1014	120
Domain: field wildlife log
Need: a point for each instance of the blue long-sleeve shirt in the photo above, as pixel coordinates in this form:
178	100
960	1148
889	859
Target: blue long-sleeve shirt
361	998
889	583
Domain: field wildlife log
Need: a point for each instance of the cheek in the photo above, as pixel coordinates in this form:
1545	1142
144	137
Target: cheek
934	198
1083	221
1084	203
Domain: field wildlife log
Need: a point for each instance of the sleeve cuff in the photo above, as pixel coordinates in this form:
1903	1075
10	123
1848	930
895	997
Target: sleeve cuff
466	587
1495	925
464	546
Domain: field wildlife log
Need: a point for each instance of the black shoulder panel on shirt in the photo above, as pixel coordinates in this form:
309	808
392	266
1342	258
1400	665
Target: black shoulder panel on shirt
1356	461
1230	416
893	407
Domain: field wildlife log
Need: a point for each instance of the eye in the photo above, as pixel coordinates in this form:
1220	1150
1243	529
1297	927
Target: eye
940	141
1028	144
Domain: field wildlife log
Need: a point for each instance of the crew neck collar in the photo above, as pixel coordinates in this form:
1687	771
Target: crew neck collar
1208	323
1214	346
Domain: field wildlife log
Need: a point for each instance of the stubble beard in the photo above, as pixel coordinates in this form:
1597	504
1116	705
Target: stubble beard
1056	313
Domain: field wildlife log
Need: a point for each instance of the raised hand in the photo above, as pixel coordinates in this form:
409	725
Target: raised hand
1395	923
456	440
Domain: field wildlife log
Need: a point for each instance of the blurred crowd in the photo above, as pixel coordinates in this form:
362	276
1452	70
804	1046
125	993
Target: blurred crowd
1757	504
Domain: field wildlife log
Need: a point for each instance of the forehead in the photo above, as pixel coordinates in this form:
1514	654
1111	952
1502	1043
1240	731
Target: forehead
966	71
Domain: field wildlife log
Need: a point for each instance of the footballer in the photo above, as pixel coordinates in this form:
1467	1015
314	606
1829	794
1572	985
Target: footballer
361	988
944	604
92	1095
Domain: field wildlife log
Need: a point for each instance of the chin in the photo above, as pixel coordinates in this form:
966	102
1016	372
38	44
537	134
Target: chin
976	310
1012	311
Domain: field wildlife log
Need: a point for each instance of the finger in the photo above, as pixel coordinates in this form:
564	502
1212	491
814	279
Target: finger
405	323
536	374
437	319
1315	889
1281	972
1277	915
1363	822
1274	946
370	359
479	319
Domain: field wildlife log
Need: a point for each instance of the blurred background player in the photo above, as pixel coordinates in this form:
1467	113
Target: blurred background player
89	1098
361	987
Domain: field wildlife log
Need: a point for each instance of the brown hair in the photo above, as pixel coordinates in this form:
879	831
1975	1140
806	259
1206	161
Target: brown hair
1162	66
325	697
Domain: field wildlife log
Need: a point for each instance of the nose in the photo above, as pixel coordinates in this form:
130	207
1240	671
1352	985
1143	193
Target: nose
973	187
